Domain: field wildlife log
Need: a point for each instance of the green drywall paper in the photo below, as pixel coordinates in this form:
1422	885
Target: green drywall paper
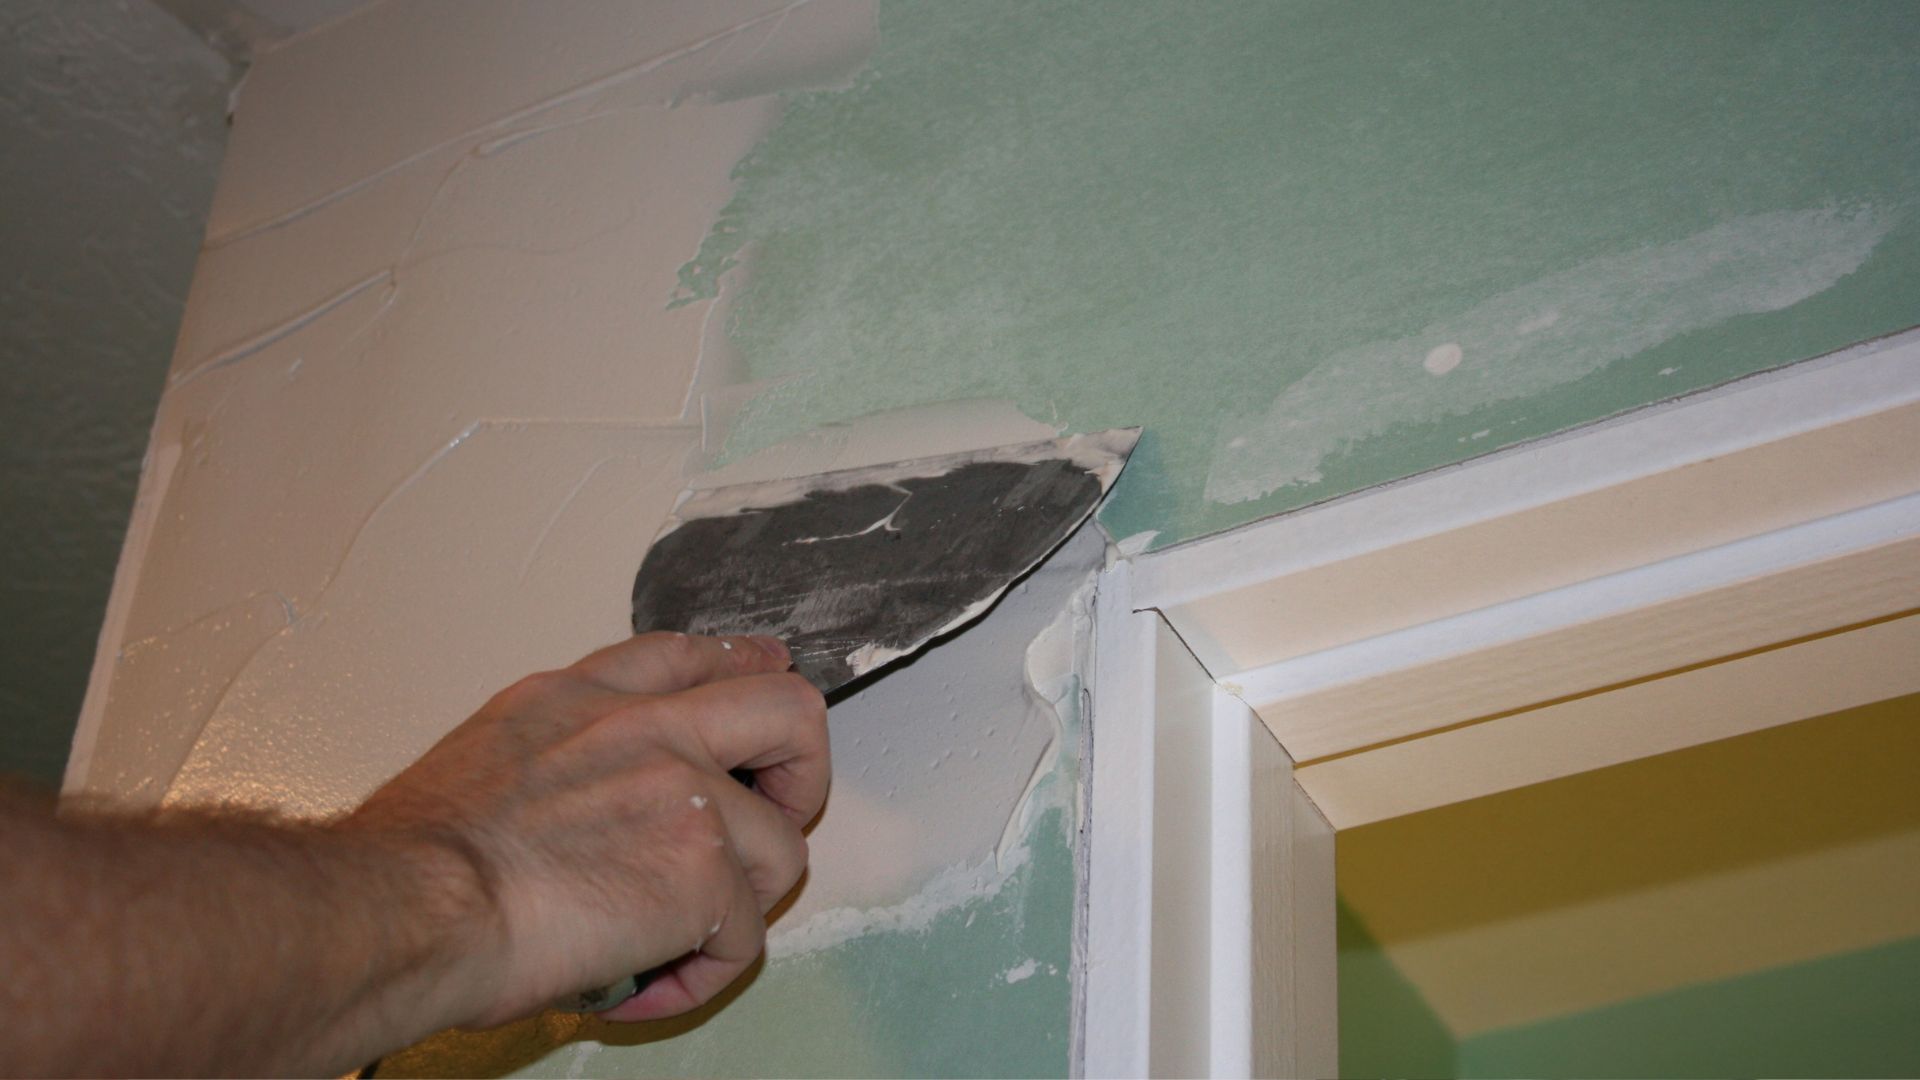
981	991
1314	247
1852	1015
1386	1028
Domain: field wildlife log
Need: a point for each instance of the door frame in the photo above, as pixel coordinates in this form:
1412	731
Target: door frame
1729	560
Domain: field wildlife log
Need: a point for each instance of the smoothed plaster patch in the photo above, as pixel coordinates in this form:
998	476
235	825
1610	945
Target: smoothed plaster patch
1531	339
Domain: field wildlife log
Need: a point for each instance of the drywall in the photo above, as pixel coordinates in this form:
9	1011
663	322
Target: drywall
1750	858
433	398
111	116
1314	247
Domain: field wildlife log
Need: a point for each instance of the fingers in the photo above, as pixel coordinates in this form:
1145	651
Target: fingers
775	725
664	663
766	854
769	844
729	949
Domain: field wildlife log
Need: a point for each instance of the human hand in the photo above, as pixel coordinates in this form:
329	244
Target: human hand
594	807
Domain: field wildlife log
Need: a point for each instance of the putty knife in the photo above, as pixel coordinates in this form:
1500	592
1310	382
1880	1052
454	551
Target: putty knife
859	568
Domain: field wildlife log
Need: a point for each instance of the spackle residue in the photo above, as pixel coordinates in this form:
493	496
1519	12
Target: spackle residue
894	851
1052	679
952	888
1024	970
1441	359
699	802
1604	310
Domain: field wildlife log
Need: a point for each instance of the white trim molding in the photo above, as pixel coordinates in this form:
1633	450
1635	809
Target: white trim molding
1777	507
1736	559
1210	923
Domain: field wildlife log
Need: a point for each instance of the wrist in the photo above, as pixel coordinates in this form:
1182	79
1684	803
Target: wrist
441	925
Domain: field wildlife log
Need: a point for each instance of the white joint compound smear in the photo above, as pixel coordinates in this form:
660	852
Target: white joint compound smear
953	887
1024	970
940	767
1054	662
1540	336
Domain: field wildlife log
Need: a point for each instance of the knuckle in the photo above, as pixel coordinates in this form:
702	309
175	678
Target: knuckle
716	879
669	777
778	866
538	687
629	717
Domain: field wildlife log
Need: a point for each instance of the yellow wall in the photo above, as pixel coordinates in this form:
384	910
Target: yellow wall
1771	849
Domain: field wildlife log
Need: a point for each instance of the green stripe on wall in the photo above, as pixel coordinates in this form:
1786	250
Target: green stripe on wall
1386	1028
1857	1014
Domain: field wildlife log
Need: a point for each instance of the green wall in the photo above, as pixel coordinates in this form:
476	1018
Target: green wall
1852	1015
1819	821
1386	1027
1857	1014
1310	247
1251	227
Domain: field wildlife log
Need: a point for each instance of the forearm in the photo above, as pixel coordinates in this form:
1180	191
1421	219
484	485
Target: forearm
582	825
216	946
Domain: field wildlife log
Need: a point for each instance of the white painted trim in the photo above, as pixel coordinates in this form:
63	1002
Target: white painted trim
1777	507
1234	998
1804	579
1210	918
1273	989
1780	686
1313	965
1181	793
1760	454
1116	976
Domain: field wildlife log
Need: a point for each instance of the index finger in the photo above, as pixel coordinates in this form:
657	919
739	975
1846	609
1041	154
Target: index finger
665	662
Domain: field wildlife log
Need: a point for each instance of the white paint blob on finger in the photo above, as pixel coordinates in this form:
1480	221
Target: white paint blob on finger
699	802
1442	358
